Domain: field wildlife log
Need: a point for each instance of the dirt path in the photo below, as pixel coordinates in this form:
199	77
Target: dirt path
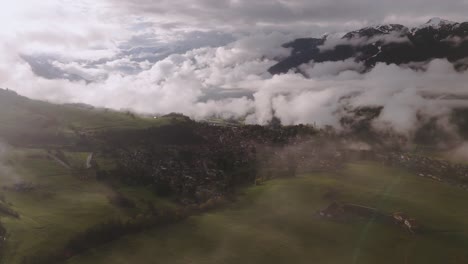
89	160
59	161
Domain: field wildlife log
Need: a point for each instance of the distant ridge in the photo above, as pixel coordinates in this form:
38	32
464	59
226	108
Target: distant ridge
390	43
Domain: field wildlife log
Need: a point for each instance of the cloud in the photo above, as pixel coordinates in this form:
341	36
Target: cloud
459	153
232	81
331	68
456	41
394	37
294	13
130	57
7	173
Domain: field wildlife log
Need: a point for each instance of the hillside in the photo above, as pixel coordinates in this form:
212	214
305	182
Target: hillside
30	122
48	192
70	172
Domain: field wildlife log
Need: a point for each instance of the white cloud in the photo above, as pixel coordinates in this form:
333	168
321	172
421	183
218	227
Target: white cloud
228	14
177	83
331	68
393	37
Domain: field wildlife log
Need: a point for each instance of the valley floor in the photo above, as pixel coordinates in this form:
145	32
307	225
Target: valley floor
277	222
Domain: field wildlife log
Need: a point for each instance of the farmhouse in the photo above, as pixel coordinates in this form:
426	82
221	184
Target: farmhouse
411	224
405	221
333	210
399	217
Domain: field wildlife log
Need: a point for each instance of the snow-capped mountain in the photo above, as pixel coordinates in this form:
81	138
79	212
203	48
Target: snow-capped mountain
392	43
436	23
377	30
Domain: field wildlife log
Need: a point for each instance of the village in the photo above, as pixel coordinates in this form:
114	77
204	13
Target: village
435	169
198	161
215	161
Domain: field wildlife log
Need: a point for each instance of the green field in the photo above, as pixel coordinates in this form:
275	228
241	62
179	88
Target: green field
66	199
277	223
33	123
60	206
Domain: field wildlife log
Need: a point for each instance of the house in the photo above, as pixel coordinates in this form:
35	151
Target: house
411	224
333	210
399	217
405	221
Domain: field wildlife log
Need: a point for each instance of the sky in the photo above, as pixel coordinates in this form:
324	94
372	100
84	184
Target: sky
208	58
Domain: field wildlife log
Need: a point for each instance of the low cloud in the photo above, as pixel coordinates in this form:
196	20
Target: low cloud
394	37
7	174
331	68
460	153
232	81
456	41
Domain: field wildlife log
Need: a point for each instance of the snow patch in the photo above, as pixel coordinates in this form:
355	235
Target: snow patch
436	23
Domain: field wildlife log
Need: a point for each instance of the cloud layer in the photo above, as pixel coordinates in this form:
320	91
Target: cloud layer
245	13
209	58
177	84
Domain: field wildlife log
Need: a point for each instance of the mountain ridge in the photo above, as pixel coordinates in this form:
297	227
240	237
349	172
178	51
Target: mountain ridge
387	43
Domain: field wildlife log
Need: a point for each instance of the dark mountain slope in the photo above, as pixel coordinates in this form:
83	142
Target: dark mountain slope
391	44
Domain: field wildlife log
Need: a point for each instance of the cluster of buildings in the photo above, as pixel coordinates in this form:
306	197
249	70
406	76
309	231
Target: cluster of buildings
435	169
222	158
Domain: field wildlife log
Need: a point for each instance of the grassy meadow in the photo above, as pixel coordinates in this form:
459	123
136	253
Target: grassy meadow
277	223
61	204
